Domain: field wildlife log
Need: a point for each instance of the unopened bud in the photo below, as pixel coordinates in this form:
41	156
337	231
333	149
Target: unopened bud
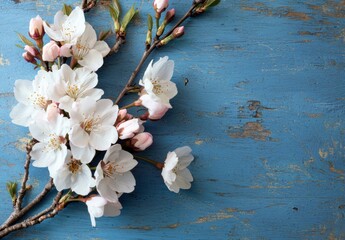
50	51
178	32
29	58
32	50
141	141
160	5
170	15
12	190
36	30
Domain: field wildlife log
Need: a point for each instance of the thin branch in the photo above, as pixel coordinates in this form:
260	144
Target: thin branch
120	41
87	6
26	176
16	215
148	52
38	218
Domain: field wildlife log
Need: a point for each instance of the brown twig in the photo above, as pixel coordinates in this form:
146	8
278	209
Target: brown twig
120	41
16	215
148	52
18	203
38	218
26	176
87	6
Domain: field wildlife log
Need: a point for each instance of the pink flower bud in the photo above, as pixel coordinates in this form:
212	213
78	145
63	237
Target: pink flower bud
160	5
123	116
170	15
129	128
65	50
178	32
29	58
32	50
141	141
52	111
36	30
50	51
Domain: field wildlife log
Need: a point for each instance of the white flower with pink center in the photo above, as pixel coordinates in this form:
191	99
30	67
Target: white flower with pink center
32	97
51	150
157	81
113	174
175	173
73	85
66	29
74	175
93	124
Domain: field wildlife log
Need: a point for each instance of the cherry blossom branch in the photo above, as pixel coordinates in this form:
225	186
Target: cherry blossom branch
26	176
120	41
38	218
16	215
148	52
158	165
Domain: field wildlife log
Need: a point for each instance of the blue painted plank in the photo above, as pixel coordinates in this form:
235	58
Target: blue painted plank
263	112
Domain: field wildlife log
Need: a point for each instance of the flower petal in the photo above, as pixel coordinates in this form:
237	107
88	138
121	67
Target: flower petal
79	137
103	137
93	60
102	47
84	154
124	182
22	90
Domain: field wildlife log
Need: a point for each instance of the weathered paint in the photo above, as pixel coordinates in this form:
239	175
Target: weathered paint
261	102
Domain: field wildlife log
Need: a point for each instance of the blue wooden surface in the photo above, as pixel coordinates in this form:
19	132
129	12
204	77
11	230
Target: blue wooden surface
263	112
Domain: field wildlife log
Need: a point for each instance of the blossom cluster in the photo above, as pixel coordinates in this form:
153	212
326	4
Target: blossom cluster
69	120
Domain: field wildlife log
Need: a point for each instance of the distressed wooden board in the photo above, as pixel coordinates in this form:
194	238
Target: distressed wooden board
263	112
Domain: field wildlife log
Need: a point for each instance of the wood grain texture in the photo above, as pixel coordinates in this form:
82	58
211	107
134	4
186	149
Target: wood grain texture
263	112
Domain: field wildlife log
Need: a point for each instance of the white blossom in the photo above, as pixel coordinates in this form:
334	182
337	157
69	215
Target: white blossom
156	110
88	51
74	175
66	29
32	97
157	81
93	124
98	206
51	150
175	173
73	85
113	173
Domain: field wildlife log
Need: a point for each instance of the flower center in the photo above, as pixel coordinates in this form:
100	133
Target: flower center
82	50
68	30
38	100
55	141
72	91
108	168
90	124
157	88
74	165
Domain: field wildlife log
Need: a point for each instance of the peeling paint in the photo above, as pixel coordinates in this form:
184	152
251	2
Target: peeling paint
146	228
335	170
221	215
21	143
172	226
253	130
298	16
4	61
323	154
